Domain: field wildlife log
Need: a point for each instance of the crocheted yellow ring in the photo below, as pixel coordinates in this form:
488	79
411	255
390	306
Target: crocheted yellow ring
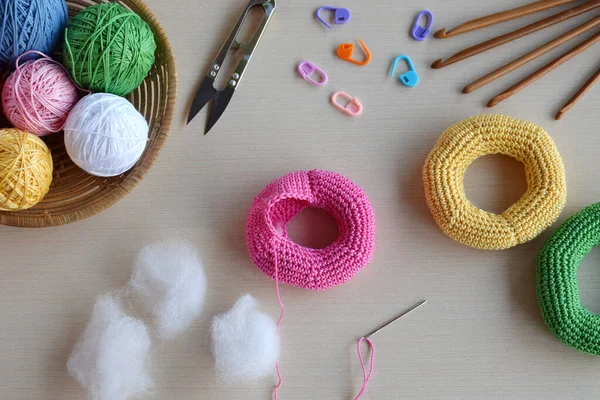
468	140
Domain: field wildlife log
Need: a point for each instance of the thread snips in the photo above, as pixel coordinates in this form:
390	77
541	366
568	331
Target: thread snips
221	98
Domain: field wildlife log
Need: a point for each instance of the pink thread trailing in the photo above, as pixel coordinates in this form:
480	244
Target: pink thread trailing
280	382
316	269
366	377
39	95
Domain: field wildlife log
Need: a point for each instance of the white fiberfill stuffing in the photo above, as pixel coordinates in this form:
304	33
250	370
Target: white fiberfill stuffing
245	343
169	280
109	360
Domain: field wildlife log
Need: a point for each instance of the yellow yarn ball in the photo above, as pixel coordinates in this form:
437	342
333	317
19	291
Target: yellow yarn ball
468	140
25	170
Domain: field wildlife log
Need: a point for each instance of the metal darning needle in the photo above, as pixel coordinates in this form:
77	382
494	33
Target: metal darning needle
395	319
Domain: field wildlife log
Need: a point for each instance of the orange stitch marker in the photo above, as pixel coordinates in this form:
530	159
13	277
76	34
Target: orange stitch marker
344	51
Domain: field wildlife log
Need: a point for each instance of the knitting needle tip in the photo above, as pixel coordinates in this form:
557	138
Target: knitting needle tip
441	34
467	89
496	100
437	64
561	114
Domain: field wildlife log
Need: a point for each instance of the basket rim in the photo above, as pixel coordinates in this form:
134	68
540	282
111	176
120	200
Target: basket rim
134	177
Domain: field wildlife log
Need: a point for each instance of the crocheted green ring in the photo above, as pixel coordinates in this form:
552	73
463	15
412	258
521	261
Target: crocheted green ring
557	288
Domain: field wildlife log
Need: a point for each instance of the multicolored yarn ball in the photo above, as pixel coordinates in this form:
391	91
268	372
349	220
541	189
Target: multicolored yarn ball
30	25
39	96
109	49
317	269
557	285
25	170
105	135
478	136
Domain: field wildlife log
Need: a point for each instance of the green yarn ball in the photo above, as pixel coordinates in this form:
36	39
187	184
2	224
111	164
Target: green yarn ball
109	49
557	285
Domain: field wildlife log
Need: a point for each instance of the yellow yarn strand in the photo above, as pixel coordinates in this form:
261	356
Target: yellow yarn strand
25	170
468	140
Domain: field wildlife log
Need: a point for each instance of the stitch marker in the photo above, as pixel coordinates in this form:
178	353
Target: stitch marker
306	69
344	51
418	32
354	108
409	78
340	15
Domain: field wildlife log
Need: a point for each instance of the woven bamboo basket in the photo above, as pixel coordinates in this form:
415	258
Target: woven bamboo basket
74	194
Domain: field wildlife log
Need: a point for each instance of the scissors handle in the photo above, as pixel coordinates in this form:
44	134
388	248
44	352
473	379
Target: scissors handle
232	44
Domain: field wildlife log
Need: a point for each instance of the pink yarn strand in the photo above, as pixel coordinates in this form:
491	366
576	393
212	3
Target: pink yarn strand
46	57
298	266
278	294
275	390
366	377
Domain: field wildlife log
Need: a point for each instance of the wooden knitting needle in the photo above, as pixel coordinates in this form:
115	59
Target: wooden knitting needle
580	93
544	70
519	62
509	37
503	16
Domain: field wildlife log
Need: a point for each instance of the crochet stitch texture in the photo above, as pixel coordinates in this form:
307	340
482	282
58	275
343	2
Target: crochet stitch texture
470	139
557	286
315	269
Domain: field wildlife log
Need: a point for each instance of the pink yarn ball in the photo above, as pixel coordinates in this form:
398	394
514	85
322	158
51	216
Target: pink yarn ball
3	122
39	96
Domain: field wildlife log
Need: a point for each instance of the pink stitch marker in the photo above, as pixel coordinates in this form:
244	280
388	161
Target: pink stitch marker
306	68
354	108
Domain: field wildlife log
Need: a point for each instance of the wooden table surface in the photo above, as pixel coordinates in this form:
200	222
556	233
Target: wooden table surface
480	336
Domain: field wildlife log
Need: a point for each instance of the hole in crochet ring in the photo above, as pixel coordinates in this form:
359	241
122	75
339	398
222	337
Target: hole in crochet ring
314	228
588	277
495	182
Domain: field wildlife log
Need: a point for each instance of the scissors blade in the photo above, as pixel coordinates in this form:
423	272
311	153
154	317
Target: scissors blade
219	105
205	93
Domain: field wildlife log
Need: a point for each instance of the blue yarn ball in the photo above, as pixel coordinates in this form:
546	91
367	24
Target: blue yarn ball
30	25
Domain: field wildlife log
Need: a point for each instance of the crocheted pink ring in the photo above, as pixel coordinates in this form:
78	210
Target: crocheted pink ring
315	269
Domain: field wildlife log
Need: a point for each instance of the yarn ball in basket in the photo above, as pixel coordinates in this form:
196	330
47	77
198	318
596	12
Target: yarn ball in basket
25	170
30	25
3	121
108	48
39	96
105	135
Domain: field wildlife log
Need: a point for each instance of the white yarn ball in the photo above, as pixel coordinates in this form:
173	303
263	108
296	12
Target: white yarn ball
109	360
169	280
245	343
105	135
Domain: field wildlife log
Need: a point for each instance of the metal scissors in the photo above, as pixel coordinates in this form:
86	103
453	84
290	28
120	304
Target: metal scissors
221	98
